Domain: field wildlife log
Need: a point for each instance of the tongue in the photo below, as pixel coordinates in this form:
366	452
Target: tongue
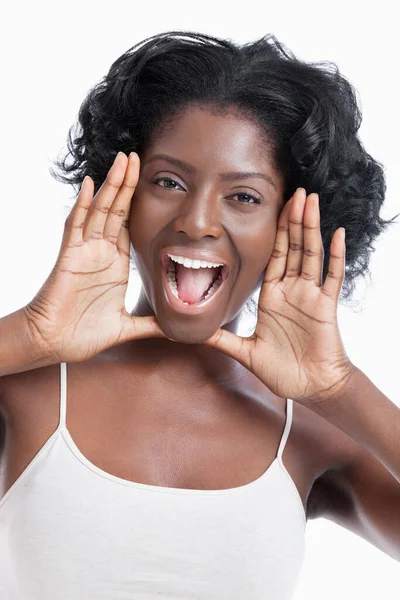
193	283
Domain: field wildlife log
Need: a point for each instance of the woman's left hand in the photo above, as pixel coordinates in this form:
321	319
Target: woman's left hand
296	349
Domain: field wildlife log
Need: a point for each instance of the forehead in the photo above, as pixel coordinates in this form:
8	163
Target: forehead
209	137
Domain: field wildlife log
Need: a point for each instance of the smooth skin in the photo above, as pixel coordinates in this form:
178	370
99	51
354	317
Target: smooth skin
207	410
80	310
200	205
296	349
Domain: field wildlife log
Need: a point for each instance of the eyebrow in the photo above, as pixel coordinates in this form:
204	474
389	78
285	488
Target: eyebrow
230	176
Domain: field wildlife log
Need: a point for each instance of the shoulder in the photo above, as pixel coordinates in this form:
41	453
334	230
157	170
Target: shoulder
27	390
33	390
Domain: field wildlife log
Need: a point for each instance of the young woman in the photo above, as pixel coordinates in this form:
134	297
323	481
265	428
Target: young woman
158	453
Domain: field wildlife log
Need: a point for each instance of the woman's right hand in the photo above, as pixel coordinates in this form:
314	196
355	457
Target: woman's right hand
80	309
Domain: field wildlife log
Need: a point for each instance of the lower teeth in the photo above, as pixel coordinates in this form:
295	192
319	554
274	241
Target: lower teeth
174	287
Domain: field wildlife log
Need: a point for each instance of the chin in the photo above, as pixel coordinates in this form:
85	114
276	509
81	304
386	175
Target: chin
186	333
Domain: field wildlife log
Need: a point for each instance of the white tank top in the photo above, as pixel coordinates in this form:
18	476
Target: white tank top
71	531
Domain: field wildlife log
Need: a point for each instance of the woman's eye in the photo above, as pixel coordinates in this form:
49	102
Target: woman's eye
251	199
155	181
254	199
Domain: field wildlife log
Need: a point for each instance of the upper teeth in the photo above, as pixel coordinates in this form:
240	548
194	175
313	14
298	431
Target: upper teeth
193	264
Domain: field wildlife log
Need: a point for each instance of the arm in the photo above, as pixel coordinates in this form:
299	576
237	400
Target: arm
364	494
19	350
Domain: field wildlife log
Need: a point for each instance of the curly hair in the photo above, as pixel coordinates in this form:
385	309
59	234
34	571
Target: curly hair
307	113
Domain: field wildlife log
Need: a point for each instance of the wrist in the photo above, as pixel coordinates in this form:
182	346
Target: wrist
21	348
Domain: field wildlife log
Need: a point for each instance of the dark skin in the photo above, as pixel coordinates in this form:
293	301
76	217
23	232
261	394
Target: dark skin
201	212
180	413
224	424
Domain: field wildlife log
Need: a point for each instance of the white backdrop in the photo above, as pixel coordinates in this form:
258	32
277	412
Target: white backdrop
51	54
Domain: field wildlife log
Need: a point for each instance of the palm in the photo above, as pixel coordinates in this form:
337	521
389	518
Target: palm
296	349
295	323
79	311
93	279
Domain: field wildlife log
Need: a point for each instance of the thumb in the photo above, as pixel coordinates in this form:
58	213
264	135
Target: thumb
136	328
233	345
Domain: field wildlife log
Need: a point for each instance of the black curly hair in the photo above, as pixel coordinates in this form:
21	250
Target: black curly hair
307	112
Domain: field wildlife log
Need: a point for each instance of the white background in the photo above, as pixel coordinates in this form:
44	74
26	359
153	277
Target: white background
51	54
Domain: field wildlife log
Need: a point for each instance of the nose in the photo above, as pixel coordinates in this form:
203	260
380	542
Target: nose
199	216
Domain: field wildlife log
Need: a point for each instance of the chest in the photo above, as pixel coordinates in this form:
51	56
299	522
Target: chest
162	435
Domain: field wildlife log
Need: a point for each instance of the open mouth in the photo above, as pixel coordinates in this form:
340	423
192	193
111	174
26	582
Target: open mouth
190	286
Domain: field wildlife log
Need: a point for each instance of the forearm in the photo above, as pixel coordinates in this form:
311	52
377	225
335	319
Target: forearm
369	417
19	351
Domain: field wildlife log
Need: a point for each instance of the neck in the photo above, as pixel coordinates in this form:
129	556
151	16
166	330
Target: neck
194	360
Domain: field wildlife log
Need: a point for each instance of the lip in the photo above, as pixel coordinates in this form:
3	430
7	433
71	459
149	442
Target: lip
177	305
196	255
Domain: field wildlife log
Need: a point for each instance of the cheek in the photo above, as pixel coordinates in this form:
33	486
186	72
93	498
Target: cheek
256	249
142	227
134	220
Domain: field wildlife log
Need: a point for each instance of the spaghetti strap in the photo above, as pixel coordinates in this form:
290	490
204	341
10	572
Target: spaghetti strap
63	394
285	435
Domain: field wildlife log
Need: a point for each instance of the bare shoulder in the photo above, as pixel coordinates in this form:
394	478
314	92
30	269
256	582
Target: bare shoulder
25	392
315	455
29	408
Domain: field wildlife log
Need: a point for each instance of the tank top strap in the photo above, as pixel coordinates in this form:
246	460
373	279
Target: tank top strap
285	435
63	394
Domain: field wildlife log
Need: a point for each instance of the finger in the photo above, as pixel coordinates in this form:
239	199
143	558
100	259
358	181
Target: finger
277	263
98	211
119	211
76	218
296	237
312	239
124	240
136	328
235	346
336	269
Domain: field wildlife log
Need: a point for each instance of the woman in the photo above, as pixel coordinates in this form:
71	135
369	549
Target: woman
148	453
